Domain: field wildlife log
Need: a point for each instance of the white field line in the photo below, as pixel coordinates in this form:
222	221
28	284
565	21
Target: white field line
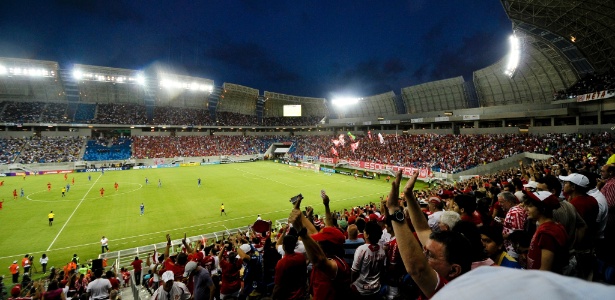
75	210
178	229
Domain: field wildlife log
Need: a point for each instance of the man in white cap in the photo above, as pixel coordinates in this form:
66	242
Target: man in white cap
171	289
576	187
202	281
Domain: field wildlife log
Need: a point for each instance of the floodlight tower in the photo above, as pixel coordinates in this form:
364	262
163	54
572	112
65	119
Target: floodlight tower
514	56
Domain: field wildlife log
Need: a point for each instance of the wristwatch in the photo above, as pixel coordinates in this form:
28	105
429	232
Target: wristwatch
398	215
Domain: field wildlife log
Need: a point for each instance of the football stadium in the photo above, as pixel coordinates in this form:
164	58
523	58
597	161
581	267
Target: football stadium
178	183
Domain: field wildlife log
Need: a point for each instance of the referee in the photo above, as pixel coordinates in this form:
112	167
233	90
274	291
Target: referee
50	216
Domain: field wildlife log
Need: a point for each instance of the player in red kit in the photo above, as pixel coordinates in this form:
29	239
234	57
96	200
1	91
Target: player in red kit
102	192
65	176
15	194
2	183
73	180
1	203
49	186
116	186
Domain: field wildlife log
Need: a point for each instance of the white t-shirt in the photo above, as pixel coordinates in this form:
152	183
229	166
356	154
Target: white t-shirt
603	209
369	263
44	260
99	289
104	241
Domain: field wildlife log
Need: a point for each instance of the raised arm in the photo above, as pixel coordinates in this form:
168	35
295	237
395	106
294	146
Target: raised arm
315	254
410	250
414	210
187	245
168	247
328	215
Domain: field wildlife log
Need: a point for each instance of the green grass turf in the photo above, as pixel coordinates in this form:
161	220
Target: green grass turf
178	207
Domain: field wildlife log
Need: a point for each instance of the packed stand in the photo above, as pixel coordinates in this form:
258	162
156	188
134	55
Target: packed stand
51	150
589	84
10	149
454	153
126	114
191	146
85	112
55	113
22	112
224	118
291	121
181	116
108	149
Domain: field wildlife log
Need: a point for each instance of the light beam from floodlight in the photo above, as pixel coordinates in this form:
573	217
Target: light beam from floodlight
514	56
344	101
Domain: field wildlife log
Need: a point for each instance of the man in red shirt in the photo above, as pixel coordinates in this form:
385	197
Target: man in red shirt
15	194
136	264
115	283
230	284
330	278
102	192
290	272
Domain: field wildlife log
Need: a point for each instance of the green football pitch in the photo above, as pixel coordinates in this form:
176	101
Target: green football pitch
178	206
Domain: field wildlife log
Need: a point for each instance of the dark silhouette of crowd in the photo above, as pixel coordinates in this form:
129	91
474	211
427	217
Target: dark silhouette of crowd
590	83
181	116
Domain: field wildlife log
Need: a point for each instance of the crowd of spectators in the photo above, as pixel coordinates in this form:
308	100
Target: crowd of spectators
589	84
190	146
50	150
556	215
224	118
440	153
181	116
21	112
291	121
454	153
55	113
10	149
126	114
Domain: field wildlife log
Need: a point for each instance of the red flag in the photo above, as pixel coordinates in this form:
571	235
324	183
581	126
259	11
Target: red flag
333	151
341	139
369	134
336	143
354	146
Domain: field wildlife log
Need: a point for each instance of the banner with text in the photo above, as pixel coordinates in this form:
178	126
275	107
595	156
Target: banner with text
423	172
596	96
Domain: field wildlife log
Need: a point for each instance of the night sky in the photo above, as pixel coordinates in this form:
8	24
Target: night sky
304	48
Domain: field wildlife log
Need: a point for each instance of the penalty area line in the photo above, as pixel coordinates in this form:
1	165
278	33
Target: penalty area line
75	210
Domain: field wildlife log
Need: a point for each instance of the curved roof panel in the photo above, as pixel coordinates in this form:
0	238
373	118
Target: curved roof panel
589	25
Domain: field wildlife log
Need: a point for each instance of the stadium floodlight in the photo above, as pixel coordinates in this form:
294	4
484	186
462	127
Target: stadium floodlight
140	79
77	74
513	57
3	70
344	101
